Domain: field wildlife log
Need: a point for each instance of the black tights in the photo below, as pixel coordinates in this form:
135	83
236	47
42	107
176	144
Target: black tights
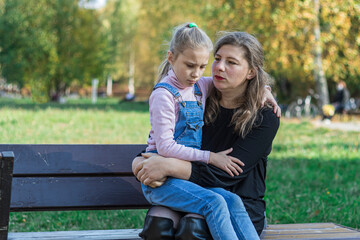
163	223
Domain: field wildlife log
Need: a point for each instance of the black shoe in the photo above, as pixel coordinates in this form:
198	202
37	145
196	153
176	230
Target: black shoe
191	228
158	228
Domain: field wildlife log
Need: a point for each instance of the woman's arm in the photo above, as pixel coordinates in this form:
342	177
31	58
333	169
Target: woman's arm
269	98
153	169
251	150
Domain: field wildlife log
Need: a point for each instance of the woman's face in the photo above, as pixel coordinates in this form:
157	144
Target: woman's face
230	70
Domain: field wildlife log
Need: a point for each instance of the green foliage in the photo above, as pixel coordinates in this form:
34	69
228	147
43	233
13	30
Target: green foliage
51	44
285	28
79	45
27	50
120	20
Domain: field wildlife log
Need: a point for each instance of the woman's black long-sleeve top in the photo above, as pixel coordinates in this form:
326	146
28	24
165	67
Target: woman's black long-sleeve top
252	150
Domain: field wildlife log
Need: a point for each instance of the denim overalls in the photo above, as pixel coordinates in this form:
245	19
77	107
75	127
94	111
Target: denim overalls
181	195
188	128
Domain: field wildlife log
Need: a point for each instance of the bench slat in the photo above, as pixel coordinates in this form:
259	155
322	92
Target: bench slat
123	234
68	159
313	231
71	193
295	226
318	231
315	236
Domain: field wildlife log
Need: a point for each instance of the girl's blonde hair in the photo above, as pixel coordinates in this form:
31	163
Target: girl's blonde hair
184	36
245	115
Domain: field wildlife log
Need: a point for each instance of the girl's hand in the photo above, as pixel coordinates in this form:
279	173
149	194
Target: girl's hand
226	163
269	98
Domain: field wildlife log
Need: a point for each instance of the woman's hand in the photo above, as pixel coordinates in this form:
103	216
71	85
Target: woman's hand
269	98
150	169
227	163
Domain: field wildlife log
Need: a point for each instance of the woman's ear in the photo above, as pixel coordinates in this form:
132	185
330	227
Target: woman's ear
251	74
170	57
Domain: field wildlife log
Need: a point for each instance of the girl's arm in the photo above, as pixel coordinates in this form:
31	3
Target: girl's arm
162	117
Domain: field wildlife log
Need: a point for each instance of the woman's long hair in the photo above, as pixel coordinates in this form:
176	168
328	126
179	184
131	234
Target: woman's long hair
184	36
250	102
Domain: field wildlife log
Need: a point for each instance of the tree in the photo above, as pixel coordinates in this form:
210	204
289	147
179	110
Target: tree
79	45
286	30
28	53
120	19
340	37
49	44
321	84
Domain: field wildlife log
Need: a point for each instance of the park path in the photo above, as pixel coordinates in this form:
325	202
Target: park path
343	126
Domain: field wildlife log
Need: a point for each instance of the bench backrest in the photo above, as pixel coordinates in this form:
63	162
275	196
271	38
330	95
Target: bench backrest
73	177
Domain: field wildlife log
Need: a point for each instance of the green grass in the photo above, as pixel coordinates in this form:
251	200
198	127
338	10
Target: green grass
76	122
313	173
76	220
313	176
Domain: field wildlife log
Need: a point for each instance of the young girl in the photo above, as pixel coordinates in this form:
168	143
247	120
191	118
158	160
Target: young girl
177	102
176	116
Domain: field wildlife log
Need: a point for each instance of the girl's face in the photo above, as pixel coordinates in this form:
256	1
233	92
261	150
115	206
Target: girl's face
189	65
230	70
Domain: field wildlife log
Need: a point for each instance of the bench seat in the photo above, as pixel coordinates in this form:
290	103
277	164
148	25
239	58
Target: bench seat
128	234
313	231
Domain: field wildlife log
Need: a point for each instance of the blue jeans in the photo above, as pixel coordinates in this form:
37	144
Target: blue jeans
224	211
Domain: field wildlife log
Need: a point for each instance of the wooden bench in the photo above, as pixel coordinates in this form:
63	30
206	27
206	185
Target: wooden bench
70	177
93	177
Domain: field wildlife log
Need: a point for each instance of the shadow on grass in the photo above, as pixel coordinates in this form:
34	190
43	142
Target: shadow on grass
313	190
82	104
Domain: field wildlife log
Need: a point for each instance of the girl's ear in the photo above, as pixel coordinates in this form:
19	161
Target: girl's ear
170	57
251	74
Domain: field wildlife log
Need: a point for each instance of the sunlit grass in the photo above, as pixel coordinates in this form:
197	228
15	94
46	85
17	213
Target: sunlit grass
76	122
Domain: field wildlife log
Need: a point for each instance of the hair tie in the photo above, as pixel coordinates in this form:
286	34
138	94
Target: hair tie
191	25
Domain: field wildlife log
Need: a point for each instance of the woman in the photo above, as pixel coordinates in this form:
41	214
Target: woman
234	118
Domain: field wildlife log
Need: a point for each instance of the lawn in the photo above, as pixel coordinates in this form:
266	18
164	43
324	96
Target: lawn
312	173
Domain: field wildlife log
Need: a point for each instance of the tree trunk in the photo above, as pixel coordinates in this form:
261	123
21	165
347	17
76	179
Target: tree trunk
109	84
131	73
319	75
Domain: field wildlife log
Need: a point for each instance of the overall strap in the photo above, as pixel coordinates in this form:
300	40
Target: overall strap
171	89
198	93
197	90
